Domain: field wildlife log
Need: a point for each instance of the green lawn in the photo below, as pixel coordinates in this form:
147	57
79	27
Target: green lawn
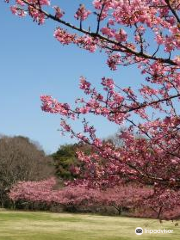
18	225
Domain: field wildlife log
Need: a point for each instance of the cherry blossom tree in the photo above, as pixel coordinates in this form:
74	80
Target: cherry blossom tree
125	197
141	201
76	197
143	33
164	203
46	191
35	191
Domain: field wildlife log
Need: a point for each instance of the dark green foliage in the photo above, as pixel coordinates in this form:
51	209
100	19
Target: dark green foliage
66	158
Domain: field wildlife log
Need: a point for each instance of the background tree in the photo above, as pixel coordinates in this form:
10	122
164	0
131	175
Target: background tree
66	160
21	160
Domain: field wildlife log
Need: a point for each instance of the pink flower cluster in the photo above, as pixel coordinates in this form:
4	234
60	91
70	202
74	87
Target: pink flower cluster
82	13
120	197
63	36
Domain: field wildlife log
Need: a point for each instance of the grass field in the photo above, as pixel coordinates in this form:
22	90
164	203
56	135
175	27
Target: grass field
17	225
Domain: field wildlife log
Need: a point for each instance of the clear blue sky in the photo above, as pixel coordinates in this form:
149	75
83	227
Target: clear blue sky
33	63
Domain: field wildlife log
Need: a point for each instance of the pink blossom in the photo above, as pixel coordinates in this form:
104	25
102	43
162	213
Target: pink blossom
82	13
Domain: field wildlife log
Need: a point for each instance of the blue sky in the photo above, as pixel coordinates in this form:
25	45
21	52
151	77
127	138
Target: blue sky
33	63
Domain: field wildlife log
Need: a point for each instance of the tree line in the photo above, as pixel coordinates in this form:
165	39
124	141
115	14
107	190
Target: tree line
30	179
21	159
